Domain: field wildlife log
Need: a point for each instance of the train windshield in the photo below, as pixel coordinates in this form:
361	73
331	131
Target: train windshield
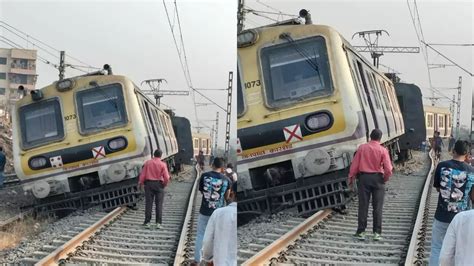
101	107
41	123
240	96
296	70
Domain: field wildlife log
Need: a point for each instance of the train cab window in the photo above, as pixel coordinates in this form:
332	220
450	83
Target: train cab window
429	122
41	123
101	107
441	121
295	70
240	95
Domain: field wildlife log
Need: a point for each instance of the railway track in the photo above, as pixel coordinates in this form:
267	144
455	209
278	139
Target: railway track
11	180
327	236
118	237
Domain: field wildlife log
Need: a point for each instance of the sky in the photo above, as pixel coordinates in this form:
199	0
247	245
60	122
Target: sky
442	21
134	37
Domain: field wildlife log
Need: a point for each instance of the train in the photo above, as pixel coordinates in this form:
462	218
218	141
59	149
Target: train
202	142
438	119
87	138
306	99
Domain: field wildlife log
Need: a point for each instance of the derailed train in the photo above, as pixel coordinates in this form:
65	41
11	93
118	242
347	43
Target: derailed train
87	138
306	100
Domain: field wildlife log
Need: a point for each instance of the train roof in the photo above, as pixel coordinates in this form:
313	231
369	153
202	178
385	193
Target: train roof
436	109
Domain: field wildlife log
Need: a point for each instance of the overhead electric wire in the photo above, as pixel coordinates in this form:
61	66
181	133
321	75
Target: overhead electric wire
43	43
451	44
15	45
445	57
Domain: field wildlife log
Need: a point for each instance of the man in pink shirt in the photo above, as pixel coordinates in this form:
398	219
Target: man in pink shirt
373	167
154	177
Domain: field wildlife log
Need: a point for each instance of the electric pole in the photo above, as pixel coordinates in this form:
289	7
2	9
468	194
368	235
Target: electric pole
240	16
376	51
155	90
458	110
228	113
216	133
62	64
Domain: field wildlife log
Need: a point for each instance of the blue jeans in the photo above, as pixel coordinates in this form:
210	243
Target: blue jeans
437	237
201	229
2	177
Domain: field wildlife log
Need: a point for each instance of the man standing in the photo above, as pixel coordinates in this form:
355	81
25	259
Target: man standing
373	167
453	180
452	140
229	172
438	142
459	240
154	177
3	161
220	240
213	186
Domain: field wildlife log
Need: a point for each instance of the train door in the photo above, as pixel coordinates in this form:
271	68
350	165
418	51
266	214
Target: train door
388	106
162	134
367	94
397	113
167	133
151	141
361	96
151	125
382	103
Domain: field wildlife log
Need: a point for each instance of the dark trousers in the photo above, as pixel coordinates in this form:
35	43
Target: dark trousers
154	191
370	185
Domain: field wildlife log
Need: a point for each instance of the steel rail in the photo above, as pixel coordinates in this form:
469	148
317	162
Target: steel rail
183	239
63	251
265	255
415	240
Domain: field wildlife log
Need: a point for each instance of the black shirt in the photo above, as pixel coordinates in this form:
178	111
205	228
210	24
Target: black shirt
213	186
455	180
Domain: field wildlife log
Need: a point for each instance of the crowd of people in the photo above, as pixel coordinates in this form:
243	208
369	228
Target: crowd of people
216	234
453	226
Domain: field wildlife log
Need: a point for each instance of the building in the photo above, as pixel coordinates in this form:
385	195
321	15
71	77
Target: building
17	67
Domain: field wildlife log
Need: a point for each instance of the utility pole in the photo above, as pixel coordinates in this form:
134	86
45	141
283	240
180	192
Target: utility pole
155	90
240	16
376	51
458	110
62	64
229	111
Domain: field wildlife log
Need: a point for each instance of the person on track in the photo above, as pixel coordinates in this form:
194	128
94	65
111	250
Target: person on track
213	186
452	141
453	180
229	172
458	241
220	239
437	144
372	166
154	177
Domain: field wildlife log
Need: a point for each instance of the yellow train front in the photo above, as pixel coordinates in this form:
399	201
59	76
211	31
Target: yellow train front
306	100
86	134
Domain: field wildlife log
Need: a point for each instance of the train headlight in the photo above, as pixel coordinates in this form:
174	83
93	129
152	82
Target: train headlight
318	121
37	163
246	38
117	144
65	84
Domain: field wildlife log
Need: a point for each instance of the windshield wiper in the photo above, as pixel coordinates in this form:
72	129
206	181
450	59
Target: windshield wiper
312	63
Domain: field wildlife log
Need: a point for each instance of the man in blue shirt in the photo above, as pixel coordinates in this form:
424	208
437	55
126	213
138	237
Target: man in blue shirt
213	186
3	161
453	180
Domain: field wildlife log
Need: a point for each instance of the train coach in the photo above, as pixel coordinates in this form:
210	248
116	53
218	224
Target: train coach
306	100
88	133
438	119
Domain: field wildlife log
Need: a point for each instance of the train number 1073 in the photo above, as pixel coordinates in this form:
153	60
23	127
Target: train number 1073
69	117
252	84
